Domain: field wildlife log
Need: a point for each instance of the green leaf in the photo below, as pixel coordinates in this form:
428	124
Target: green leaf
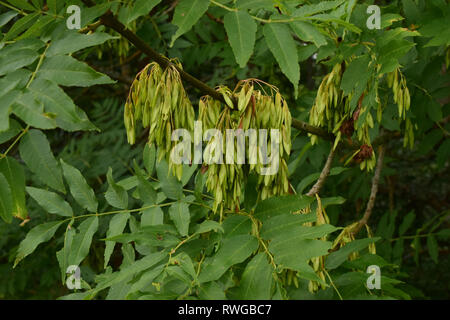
14	129
187	13
115	195
37	28
80	190
140	8
82	241
32	112
7	17
146	278
36	236
392	52
67	71
255	4
308	32
332	201
280	205
51	202
179	214
241	31
185	262
434	111
36	152
149	158
256	281
129	271
282	46
352	75
171	187
406	223
236	225
290	227
178	273
52	6
207	226
15	175
336	258
293	244
388	19
188	171
72	41
116	227
22	4
90	14
310	9
330	18
433	248
5	108
211	291
21	25
16	60
443	153
152	217
7	85
397	251
250	196
146	191
232	251
411	10
66	114
293	253
6	200
63	255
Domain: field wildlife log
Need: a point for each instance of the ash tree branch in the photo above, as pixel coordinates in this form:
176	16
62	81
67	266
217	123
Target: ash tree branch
373	191
323	175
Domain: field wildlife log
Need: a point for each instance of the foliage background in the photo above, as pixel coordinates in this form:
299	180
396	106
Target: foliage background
414	189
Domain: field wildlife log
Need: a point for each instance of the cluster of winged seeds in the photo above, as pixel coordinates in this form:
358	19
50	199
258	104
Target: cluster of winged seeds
397	81
255	110
343	114
157	98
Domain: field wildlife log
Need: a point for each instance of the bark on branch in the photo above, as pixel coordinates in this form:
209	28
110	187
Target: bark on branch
373	192
323	175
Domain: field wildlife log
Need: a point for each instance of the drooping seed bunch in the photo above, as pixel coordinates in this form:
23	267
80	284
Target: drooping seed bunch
157	98
318	263
397	81
223	179
119	45
255	110
271	114
333	110
345	113
328	108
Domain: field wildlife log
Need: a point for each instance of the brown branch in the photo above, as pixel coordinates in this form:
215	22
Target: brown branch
211	17
373	192
323	175
171	8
